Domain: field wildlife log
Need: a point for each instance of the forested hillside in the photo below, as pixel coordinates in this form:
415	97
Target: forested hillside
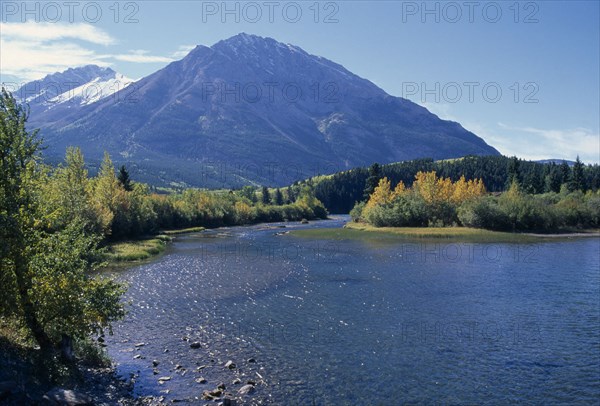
339	192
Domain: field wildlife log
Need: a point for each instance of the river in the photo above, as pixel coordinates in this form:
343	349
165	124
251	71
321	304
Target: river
347	322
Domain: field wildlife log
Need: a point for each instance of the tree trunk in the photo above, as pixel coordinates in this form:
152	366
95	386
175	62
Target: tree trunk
23	285
66	348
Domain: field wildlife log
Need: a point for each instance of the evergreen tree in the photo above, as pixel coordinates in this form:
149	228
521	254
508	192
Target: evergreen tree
553	178
278	197
565	172
372	181
577	181
124	179
291	196
514	173
265	196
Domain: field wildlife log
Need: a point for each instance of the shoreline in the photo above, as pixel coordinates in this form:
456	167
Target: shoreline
136	251
29	377
352	230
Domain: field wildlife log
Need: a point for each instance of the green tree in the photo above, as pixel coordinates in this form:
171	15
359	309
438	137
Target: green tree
19	151
291	196
514	172
124	178
565	172
577	180
372	181
45	264
278	197
249	192
265	196
553	179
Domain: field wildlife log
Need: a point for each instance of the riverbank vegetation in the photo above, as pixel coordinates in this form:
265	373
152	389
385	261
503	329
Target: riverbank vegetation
365	232
49	245
136	250
434	201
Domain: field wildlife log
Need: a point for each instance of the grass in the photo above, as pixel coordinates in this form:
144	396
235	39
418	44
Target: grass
184	231
138	250
144	248
361	231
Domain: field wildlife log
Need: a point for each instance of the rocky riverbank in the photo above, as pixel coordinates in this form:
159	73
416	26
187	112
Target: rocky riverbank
27	377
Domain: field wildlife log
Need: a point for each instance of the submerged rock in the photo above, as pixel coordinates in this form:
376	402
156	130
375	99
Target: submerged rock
212	394
67	397
246	390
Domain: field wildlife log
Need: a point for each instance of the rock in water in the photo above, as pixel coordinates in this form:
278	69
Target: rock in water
246	390
195	345
67	397
213	394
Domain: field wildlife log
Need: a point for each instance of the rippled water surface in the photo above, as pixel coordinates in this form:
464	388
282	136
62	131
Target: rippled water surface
364	322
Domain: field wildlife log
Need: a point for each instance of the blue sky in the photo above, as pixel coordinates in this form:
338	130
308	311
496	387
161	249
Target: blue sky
452	57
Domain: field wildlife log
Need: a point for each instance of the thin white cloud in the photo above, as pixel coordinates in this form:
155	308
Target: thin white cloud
182	51
44	32
140	56
530	142
568	143
535	143
32	50
33	60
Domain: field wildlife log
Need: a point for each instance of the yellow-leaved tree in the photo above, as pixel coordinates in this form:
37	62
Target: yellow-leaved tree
381	195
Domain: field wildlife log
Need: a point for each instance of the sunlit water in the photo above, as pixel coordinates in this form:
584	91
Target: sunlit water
353	322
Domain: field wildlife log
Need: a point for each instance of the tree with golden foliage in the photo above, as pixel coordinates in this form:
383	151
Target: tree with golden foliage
381	195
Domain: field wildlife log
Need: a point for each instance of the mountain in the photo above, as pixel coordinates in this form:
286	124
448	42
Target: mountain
556	161
71	89
253	110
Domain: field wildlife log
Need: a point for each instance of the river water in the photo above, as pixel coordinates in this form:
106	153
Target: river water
348	322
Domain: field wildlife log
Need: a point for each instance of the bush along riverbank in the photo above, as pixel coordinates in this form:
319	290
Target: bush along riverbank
439	202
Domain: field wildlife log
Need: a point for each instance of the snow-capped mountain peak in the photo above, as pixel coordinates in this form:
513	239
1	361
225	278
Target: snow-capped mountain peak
73	87
92	91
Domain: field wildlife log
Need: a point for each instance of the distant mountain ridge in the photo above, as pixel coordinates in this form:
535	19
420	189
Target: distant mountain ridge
71	88
252	110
